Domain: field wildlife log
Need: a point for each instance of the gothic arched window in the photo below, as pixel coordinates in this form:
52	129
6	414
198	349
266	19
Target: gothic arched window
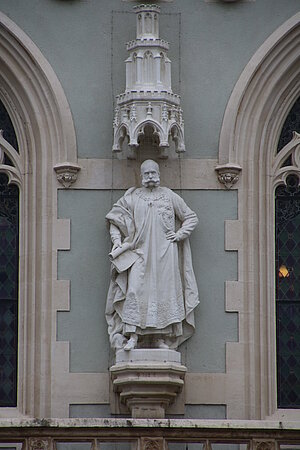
287	251
9	270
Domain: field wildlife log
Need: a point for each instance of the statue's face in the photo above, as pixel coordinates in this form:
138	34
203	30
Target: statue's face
150	176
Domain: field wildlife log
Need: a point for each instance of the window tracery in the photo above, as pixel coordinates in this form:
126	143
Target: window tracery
7	127
291	124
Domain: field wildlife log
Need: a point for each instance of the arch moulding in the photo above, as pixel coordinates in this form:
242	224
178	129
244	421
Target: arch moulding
44	127
258	106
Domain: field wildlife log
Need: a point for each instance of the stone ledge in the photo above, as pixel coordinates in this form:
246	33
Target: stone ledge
141	354
106	423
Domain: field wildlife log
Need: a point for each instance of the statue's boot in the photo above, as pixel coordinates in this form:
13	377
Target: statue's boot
131	343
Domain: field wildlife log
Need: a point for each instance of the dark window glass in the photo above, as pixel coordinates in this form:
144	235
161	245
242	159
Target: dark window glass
7	127
9	268
287	225
292	123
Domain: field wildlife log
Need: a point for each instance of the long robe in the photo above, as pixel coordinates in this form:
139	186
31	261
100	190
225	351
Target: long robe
158	293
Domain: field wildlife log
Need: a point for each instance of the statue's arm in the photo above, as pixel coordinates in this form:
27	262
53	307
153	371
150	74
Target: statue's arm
119	219
115	236
187	218
188	224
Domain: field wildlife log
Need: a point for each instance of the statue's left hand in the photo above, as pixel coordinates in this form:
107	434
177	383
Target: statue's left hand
174	237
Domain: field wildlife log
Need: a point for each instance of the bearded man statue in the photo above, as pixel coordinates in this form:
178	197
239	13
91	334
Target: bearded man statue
153	291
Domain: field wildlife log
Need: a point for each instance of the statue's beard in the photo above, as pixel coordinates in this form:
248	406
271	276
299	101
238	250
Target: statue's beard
154	182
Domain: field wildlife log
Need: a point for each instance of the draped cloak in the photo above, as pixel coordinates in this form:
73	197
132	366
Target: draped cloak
158	293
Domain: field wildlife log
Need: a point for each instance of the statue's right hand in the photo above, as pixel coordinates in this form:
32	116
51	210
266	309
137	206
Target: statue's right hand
117	243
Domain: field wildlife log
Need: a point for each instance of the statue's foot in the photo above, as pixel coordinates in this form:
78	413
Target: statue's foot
160	343
131	343
118	341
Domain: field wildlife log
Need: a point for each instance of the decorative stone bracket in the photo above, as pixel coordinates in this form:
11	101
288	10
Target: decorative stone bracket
66	173
228	174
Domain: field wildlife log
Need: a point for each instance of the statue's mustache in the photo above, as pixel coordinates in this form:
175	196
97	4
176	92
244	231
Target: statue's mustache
146	181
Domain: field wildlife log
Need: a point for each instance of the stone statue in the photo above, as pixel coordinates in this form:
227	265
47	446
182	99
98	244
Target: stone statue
153	291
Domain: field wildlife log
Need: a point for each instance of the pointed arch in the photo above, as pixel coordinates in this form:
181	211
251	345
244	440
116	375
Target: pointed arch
265	91
176	133
258	106
38	108
31	91
140	129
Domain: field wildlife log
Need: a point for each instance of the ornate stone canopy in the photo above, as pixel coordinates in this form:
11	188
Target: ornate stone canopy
148	101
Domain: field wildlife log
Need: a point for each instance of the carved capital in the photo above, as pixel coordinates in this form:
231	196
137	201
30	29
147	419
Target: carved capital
228	174
66	173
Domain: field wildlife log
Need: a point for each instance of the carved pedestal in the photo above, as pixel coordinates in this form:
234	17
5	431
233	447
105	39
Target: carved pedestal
148	380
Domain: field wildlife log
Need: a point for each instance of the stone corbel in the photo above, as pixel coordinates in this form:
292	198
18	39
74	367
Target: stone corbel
228	174
66	173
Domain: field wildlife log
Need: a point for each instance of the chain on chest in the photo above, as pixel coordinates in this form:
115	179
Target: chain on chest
161	205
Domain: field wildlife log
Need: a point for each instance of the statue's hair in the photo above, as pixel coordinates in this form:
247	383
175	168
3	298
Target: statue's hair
147	162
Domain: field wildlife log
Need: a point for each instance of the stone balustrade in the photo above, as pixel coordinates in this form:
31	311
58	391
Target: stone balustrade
148	434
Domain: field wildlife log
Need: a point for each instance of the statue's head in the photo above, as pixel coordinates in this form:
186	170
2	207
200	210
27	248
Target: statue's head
150	174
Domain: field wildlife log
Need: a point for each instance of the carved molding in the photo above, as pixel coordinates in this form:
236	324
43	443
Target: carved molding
228	174
66	173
